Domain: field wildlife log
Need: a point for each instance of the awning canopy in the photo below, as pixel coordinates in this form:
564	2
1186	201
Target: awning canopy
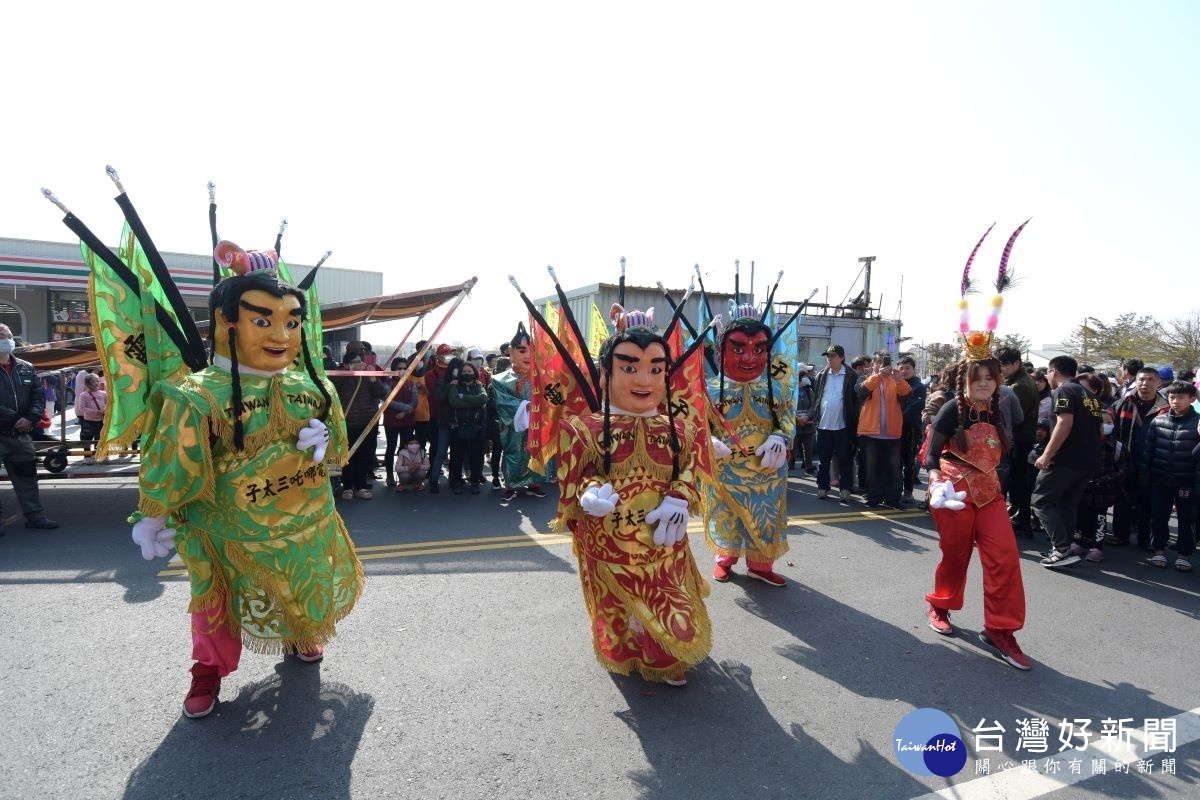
75	353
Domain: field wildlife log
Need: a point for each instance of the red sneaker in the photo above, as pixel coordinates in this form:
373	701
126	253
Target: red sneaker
939	620
312	656
721	573
767	576
1006	648
202	697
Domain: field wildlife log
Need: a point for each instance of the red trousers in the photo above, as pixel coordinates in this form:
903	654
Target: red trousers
989	530
212	643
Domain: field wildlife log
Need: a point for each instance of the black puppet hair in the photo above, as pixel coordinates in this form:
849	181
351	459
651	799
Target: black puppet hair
226	297
643	338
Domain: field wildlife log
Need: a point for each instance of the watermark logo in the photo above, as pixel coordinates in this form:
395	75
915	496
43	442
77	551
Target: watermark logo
928	742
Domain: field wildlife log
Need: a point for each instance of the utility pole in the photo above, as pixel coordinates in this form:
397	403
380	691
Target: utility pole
868	260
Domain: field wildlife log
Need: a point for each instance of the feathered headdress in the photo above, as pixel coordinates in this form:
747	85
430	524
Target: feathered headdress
977	345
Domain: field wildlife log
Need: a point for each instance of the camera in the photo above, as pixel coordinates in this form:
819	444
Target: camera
887	361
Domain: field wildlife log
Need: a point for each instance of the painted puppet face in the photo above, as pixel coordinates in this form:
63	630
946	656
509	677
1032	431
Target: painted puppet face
268	331
744	357
521	358
638	381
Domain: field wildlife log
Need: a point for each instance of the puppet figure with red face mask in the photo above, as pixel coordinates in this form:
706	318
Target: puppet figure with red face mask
747	501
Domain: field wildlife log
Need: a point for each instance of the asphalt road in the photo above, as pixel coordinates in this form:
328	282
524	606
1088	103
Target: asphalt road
467	671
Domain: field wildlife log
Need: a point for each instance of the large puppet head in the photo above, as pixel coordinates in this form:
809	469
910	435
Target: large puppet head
745	350
634	375
520	352
256	321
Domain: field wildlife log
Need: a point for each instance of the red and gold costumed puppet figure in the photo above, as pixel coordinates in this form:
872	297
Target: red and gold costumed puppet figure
967	441
629	482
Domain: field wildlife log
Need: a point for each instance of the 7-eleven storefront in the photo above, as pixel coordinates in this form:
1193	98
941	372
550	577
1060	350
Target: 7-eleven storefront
43	288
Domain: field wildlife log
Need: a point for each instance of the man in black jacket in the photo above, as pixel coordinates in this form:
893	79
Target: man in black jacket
835	414
22	402
1022	474
1071	457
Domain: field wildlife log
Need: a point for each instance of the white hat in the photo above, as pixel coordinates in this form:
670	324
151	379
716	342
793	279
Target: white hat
802	367
474	352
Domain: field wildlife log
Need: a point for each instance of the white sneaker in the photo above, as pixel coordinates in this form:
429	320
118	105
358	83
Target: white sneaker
822	494
844	496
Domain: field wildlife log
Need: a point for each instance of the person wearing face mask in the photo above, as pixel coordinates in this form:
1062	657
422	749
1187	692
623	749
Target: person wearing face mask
1100	493
398	422
467	399
806	432
22	402
439	412
412	466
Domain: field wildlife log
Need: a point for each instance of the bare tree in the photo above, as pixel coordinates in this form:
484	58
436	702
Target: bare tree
940	355
1181	341
1129	336
1016	341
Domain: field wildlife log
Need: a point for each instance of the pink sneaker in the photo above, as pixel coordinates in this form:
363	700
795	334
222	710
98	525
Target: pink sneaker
312	656
939	621
768	576
1006	648
1077	549
202	697
1095	555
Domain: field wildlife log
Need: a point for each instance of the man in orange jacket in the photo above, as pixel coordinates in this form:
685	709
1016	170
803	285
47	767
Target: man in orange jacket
880	423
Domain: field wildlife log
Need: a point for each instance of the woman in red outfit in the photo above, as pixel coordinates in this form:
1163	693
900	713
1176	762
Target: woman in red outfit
967	442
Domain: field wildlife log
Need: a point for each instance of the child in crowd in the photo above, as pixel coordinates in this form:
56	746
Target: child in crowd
1101	492
412	466
1168	453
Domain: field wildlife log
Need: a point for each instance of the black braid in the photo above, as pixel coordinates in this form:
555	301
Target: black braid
771	397
675	447
960	435
1001	430
239	433
606	442
721	362
312	373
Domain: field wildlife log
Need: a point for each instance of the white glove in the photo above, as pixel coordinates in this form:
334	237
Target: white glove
154	537
773	452
942	495
521	418
316	436
672	518
720	449
599	501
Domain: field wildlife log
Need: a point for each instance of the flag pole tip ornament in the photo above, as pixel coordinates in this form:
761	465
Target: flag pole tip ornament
212	193
116	179
49	195
977	344
243	262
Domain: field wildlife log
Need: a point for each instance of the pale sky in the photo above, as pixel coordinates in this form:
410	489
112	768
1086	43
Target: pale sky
436	141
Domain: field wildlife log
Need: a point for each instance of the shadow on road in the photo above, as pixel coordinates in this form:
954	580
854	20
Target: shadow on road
766	759
290	735
872	658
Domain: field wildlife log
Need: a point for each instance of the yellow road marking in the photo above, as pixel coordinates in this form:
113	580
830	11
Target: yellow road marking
538	539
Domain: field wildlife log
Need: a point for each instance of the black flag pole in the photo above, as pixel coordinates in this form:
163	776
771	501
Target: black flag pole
588	390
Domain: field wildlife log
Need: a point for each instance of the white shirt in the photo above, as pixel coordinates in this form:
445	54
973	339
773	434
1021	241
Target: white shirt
833	417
